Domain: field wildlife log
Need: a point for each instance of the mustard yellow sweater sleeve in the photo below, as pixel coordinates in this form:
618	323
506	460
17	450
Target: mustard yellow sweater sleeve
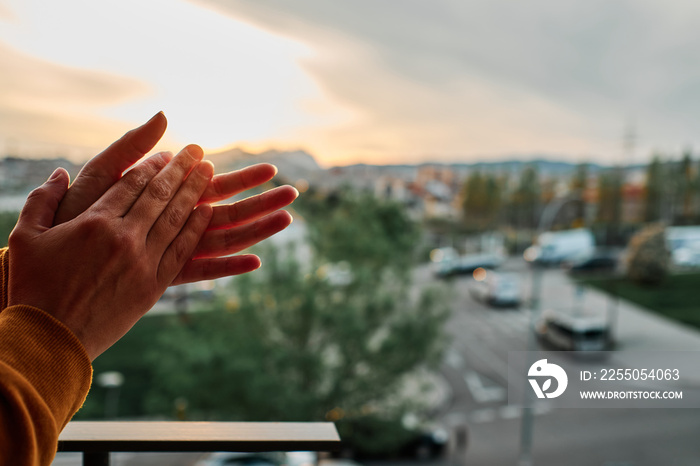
45	375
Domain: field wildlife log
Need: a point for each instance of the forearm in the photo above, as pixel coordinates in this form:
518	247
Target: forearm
45	375
4	276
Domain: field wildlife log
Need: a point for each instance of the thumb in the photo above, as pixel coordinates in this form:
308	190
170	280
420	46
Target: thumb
42	203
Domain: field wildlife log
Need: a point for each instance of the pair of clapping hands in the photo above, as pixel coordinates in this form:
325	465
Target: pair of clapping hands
98	254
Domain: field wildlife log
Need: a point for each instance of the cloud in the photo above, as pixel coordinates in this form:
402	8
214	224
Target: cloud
491	76
51	105
34	82
6	14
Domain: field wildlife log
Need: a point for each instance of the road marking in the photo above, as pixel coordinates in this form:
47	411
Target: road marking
455	418
483	415
481	393
507	412
542	407
454	359
510	411
488	358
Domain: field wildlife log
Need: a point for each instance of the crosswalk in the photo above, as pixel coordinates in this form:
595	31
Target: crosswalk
477	360
495	413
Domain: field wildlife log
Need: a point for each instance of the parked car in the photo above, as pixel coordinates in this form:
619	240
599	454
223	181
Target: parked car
555	247
495	289
684	244
244	459
468	263
601	260
373	438
426	445
301	458
686	257
443	260
573	332
338	462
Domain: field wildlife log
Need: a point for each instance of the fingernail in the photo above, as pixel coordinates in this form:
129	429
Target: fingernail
195	151
206	169
155	116
162	158
55	175
206	211
167	156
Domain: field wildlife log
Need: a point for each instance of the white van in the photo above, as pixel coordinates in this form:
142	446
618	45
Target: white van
554	247
574	332
684	244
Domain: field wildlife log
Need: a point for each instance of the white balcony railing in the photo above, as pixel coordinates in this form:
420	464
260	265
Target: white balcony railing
97	439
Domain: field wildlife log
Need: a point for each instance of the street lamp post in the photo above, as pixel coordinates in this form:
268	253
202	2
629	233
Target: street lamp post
112	382
547	218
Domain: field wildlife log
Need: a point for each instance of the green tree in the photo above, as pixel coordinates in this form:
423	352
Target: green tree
610	203
360	230
578	185
525	201
334	337
481	200
648	256
685	189
8	220
654	191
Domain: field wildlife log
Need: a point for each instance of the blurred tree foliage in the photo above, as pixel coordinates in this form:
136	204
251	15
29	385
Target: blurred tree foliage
578	185
684	190
654	191
609	211
328	337
648	257
8	220
672	193
482	196
525	202
360	230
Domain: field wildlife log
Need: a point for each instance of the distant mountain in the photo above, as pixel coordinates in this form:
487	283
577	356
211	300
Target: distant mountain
292	165
19	175
300	165
543	166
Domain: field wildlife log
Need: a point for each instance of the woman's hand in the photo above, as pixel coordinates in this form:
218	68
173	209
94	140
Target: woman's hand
233	227
99	272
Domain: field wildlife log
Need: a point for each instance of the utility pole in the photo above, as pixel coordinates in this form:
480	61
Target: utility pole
629	144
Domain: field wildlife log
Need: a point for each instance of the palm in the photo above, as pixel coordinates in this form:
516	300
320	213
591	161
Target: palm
233	227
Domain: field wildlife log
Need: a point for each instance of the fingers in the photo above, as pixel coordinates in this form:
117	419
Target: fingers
100	173
128	149
252	208
182	247
210	269
161	189
218	243
122	196
229	184
39	210
178	210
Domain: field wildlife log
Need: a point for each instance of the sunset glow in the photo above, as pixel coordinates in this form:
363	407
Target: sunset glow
350	82
221	82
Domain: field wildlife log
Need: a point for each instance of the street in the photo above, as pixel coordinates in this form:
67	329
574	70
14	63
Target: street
476	368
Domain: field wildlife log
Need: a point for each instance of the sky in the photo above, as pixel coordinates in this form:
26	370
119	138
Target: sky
375	81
